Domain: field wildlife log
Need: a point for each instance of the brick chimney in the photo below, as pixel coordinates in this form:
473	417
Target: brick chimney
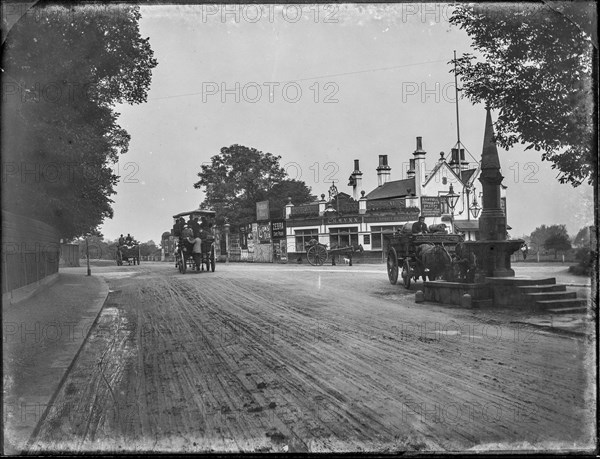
356	181
419	167
454	163
383	170
410	173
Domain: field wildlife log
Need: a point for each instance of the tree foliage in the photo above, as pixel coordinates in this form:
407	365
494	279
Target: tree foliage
239	177
65	68
542	233
537	72
582	239
557	242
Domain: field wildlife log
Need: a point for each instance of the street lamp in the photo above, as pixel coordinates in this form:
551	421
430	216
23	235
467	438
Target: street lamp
330	209
451	198
475	209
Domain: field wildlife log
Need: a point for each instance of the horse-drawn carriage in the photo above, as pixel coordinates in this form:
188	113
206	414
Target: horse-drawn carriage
433	256
128	253
184	255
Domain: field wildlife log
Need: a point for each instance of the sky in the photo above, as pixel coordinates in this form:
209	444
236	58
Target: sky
319	86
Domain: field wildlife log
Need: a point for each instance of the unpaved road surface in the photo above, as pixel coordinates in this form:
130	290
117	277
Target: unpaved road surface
295	358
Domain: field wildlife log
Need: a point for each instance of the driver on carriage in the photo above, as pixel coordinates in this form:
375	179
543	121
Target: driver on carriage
419	227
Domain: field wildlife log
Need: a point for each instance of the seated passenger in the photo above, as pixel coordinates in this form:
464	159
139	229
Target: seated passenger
187	232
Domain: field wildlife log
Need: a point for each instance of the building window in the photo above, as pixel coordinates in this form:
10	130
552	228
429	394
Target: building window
303	236
378	234
343	237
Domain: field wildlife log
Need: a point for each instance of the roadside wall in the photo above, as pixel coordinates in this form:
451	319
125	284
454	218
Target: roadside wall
69	255
30	253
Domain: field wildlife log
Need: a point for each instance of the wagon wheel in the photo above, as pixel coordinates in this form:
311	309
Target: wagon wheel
212	258
392	266
317	255
407	273
182	262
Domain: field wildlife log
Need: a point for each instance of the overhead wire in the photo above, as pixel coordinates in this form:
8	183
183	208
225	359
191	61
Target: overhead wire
319	77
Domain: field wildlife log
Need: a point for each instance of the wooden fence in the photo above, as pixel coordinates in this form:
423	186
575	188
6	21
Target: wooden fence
30	251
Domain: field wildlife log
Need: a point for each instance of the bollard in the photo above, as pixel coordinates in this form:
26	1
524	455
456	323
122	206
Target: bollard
419	298
466	301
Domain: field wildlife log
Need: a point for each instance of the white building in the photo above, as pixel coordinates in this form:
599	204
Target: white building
367	218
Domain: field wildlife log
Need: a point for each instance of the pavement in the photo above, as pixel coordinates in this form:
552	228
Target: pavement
42	336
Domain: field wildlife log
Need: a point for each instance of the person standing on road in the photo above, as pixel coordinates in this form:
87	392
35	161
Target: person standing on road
197	251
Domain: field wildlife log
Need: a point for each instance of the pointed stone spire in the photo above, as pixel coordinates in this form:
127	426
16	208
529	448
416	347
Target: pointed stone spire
492	223
489	153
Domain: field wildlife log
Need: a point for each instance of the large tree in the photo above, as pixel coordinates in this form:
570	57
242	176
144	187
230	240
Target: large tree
557	242
64	69
239	177
536	71
542	233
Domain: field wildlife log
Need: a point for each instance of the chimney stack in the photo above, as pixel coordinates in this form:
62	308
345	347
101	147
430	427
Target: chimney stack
410	173
454	161
383	170
419	168
356	180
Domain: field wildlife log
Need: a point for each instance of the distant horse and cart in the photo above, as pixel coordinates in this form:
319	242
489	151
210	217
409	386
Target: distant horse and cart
128	253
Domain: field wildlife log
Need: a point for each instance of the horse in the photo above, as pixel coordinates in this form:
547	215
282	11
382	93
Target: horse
435	261
464	264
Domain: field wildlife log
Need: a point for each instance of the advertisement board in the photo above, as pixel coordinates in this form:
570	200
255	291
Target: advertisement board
262	211
278	229
431	206
264	233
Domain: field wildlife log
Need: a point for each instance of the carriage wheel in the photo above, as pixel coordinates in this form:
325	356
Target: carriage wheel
392	266
407	273
317	255
182	263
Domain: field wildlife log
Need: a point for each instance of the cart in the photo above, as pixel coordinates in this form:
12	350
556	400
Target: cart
403	256
317	253
128	253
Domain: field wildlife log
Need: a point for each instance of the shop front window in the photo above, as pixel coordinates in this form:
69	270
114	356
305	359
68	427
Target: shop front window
303	236
378	234
343	237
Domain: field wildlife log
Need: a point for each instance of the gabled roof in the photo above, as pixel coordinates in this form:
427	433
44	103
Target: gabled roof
393	189
465	176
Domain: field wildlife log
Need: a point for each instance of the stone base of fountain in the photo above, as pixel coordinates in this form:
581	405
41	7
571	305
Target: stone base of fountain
492	260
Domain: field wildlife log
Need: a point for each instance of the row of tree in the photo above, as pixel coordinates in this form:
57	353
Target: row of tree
65	67
556	238
106	249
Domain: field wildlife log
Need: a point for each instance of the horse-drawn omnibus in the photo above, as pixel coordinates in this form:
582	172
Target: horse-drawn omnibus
184	256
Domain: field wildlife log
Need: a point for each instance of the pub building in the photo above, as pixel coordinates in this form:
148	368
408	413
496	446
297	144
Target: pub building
449	193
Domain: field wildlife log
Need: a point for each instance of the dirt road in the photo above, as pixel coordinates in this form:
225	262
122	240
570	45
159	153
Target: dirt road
296	358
